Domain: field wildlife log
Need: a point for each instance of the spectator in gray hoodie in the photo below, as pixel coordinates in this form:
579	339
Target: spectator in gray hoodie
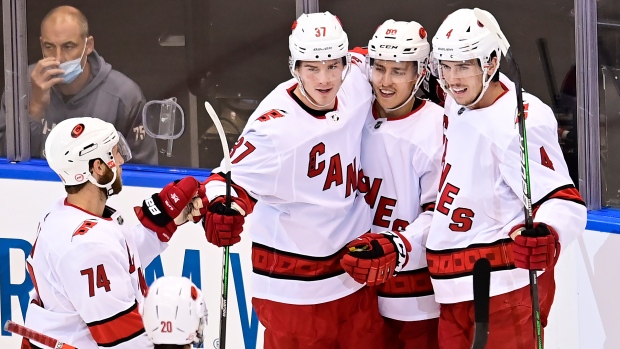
72	80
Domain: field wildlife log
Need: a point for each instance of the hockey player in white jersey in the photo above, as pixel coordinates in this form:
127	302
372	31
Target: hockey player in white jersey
480	205
85	264
295	172
174	313
401	155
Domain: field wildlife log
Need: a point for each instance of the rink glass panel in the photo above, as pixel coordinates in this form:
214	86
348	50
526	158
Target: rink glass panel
233	53
609	99
230	53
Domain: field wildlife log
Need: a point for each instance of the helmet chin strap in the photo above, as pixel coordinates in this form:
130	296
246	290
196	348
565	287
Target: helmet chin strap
485	86
303	92
303	89
485	83
415	88
107	186
389	110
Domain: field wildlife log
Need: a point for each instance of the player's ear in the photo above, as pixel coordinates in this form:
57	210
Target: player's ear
493	66
99	168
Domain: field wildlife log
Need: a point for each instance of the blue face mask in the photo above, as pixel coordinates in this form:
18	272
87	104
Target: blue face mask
72	68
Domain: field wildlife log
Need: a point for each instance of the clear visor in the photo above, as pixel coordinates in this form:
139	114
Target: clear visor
451	70
385	73
123	148
321	71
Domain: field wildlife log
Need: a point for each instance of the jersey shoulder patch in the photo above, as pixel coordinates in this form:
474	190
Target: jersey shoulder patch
85	227
271	115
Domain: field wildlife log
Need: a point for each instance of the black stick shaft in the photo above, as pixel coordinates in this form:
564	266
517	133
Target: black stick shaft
225	268
482	286
527	196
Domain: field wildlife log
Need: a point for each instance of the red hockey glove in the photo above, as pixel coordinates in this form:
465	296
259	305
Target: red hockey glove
537	248
223	225
159	212
375	257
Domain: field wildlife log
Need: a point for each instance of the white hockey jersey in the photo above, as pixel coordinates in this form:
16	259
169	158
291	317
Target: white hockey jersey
304	171
401	160
88	277
481	196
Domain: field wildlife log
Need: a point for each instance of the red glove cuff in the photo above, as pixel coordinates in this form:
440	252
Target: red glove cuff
159	211
164	233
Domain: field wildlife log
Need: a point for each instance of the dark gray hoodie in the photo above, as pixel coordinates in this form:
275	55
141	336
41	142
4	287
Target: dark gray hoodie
110	96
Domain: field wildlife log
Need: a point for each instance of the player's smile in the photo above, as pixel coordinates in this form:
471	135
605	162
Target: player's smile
324	91
459	92
462	93
386	93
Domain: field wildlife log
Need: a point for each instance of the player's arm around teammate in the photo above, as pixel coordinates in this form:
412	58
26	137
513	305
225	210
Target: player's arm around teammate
401	150
299	157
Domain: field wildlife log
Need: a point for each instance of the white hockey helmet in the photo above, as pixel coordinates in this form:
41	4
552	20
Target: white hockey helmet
461	37
74	142
401	42
317	37
174	312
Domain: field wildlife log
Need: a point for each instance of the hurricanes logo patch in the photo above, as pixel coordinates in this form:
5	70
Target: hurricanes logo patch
77	130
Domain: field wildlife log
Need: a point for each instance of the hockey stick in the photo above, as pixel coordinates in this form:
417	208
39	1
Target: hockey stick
35	336
226	257
482	284
492	25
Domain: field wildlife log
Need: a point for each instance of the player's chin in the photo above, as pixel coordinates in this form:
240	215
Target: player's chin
390	103
462	99
323	98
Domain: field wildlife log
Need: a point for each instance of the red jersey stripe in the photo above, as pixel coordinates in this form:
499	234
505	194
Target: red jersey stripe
567	192
430	206
118	328
360	50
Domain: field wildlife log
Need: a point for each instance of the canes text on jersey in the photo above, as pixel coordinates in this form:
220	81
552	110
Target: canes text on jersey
334	169
461	216
385	205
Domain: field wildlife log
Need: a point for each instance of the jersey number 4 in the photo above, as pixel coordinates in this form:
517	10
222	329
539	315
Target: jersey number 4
100	278
544	159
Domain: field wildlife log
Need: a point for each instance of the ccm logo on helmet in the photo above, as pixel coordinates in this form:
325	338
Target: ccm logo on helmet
389	47
77	130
